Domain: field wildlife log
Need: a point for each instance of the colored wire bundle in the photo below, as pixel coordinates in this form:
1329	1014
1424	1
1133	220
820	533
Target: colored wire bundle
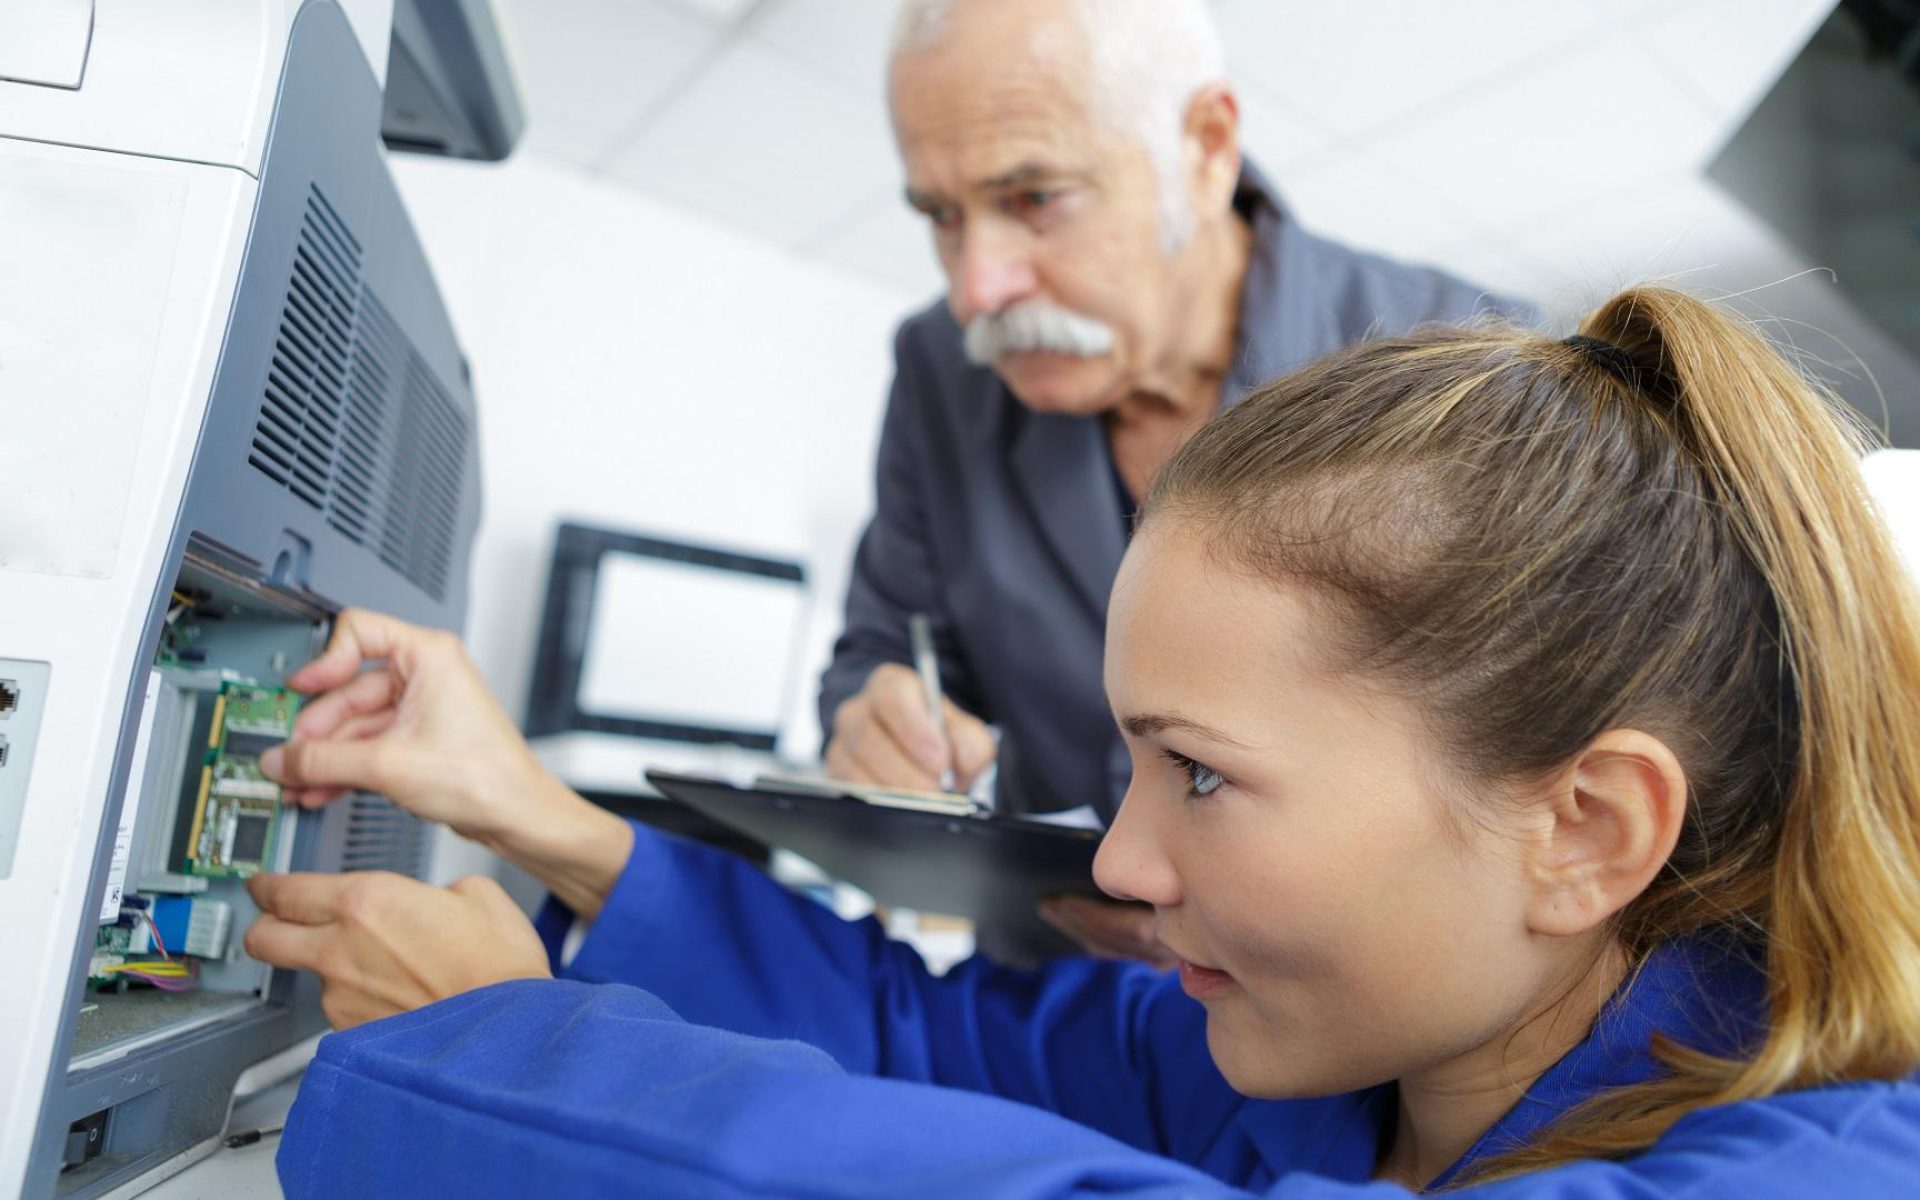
167	974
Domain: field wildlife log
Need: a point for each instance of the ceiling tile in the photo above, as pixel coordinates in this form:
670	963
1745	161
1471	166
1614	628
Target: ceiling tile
1498	264
1370	205
1682	229
847	38
1360	67
887	241
1586	123
784	140
717	10
1617	11
589	68
1731	51
788	219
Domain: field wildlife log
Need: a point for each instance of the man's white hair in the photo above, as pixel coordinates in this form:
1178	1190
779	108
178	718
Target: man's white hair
1148	58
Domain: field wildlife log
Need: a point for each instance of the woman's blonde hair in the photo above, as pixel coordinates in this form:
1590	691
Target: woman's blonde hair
1658	524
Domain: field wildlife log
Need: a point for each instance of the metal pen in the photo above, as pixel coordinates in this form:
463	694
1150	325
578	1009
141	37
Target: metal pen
927	663
253	1135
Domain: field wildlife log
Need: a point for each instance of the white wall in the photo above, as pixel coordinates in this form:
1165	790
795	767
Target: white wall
641	367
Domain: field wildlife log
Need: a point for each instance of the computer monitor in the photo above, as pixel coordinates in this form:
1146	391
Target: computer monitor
652	638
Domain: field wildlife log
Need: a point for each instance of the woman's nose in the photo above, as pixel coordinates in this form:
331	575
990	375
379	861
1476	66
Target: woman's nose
1132	862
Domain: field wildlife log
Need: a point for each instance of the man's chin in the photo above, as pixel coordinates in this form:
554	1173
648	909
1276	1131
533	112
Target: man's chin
1060	383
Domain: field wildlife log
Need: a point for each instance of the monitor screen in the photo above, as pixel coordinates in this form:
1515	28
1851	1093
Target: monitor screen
689	643
653	638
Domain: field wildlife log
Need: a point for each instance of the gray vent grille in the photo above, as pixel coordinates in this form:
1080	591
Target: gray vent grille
381	837
294	440
345	392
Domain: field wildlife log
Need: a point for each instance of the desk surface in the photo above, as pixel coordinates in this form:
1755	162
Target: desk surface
611	764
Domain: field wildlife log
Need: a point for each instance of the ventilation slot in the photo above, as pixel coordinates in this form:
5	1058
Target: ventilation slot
381	837
364	462
347	396
294	439
423	504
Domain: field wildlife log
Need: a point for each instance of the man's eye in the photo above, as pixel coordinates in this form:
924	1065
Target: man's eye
942	216
1202	780
1031	201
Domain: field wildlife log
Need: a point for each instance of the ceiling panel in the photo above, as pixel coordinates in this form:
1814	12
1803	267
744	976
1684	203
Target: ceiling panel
1419	128
1681	228
846	38
1356	67
591	68
1373	205
792	146
888	241
1731	51
1581	124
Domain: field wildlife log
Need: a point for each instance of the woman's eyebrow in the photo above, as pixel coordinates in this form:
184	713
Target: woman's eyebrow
1145	725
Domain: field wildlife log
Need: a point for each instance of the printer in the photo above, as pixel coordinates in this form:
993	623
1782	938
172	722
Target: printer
231	404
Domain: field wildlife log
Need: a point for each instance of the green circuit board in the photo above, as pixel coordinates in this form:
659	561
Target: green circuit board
238	810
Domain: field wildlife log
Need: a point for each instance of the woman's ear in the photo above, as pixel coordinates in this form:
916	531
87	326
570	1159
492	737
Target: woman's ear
1610	823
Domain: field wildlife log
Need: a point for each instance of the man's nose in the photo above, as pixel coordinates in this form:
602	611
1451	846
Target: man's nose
994	270
1131	863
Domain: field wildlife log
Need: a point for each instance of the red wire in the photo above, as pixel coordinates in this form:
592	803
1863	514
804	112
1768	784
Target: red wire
145	916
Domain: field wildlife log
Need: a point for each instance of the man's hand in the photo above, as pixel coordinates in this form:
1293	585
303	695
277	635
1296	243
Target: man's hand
385	944
402	710
884	735
1108	928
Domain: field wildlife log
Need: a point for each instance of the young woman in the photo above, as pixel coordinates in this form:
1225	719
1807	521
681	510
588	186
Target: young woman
1525	774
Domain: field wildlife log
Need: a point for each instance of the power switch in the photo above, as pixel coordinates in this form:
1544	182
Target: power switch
85	1139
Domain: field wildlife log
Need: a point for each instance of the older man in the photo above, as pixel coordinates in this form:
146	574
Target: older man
1116	274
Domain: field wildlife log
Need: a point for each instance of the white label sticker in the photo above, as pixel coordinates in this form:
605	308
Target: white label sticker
130	810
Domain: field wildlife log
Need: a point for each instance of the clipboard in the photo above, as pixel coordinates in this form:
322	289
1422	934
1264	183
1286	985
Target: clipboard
906	850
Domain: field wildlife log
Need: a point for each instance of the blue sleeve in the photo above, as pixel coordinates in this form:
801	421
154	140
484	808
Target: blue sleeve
556	1088
894	572
559	1089
1115	1046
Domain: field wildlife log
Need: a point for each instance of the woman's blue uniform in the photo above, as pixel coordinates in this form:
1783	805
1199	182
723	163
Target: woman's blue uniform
719	1037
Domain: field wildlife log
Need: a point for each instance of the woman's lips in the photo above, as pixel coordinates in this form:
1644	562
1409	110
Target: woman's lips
1202	982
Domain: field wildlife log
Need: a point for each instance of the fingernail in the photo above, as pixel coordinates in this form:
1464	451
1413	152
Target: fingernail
270	763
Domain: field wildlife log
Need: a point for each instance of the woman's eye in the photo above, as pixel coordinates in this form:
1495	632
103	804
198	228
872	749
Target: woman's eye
1202	780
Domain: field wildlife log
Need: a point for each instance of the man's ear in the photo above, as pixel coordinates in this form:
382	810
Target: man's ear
1212	147
1609	824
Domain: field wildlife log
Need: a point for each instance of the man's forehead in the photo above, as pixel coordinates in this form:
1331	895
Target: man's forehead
996	137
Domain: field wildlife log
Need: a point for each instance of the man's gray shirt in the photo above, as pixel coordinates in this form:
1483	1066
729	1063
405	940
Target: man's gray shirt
1006	527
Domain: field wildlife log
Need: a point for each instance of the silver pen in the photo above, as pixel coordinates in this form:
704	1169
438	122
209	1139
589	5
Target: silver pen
927	663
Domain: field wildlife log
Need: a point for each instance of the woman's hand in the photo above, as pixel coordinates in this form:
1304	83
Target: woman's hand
416	724
402	711
385	944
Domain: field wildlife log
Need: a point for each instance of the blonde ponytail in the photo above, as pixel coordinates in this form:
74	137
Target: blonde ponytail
1842	903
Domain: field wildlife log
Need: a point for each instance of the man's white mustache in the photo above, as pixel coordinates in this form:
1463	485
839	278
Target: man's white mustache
1035	325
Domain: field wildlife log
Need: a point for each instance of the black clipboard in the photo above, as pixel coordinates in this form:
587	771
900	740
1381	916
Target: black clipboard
992	869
